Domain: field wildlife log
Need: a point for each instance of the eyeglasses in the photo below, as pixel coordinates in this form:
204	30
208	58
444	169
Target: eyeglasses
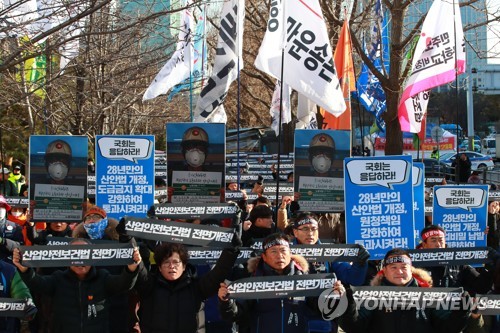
174	263
307	229
93	217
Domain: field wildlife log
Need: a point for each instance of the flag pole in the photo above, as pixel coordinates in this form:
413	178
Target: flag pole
238	102
191	90
457	179
418	147
203	47
280	135
191	74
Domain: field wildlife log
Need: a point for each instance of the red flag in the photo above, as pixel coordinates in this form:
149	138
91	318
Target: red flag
345	72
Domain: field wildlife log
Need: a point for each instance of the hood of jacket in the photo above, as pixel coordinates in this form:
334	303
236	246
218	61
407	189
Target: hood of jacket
110	231
299	261
421	276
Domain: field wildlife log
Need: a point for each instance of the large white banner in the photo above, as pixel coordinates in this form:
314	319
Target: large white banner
438	58
228	62
308	61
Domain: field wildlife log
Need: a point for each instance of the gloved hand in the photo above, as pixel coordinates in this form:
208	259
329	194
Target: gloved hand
30	310
151	212
122	232
363	255
493	255
120	228
236	241
491	259
237	215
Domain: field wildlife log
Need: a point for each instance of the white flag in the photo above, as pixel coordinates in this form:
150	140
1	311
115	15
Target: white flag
306	114
178	68
71	49
433	62
228	60
286	115
218	115
308	60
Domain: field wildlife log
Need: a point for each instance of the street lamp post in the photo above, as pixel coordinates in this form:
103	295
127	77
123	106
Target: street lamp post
470	110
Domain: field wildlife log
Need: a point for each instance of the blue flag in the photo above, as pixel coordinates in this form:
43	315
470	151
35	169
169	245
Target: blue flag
369	90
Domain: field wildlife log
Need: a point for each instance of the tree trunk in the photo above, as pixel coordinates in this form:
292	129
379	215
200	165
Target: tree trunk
394	136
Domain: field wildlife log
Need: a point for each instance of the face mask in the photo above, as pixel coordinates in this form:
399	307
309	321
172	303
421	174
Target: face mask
96	230
17	214
58	170
3	213
321	163
195	157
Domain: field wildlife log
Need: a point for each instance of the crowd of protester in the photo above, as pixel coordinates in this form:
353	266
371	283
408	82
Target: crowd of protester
161	291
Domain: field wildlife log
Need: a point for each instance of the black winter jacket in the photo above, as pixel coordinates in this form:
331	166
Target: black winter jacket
80	305
465	276
177	307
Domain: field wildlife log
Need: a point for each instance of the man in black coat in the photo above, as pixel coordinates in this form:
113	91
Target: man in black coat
80	294
434	237
462	167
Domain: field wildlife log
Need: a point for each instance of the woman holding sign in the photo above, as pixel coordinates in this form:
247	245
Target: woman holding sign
171	298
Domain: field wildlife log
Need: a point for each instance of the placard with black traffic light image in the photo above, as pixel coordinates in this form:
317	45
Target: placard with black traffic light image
318	174
196	162
58	177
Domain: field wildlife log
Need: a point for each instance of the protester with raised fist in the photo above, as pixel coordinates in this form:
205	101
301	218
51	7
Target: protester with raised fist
261	224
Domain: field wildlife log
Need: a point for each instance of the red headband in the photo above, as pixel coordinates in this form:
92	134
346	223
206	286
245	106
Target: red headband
432	233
